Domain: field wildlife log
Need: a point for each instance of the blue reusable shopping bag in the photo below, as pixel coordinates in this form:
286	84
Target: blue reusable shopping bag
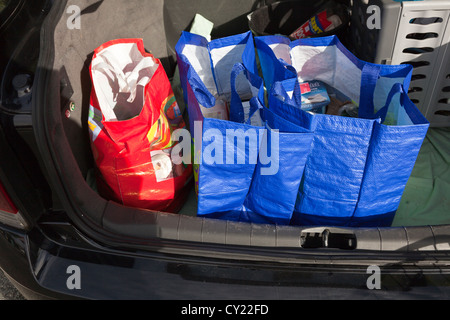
358	167
205	74
255	186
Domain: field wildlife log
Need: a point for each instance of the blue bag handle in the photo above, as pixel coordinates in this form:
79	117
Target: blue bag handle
396	88
279	90
297	94
236	107
369	78
204	97
414	114
288	67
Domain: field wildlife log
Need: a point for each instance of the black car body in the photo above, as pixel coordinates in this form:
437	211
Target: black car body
59	239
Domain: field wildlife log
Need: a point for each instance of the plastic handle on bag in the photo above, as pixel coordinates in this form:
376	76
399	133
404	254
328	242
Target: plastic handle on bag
279	90
236	107
202	94
255	106
396	88
369	78
288	67
297	94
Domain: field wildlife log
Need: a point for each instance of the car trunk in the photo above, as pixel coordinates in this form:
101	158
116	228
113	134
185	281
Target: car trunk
422	221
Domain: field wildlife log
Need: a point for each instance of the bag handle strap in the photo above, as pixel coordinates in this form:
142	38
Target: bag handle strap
236	107
369	78
297	94
278	89
202	94
396	88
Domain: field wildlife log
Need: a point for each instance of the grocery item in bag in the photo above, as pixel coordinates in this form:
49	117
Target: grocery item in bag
314	96
324	21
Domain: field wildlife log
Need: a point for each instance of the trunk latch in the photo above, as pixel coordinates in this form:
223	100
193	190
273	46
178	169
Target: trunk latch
328	238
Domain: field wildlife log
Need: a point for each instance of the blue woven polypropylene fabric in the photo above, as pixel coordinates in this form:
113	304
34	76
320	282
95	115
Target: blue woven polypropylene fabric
262	187
357	169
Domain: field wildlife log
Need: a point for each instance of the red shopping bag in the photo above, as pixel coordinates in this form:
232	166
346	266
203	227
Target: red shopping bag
132	115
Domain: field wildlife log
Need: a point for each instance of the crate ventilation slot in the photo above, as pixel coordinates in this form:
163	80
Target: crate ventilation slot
425	21
415	89
422	36
445	113
418	77
418	50
417	64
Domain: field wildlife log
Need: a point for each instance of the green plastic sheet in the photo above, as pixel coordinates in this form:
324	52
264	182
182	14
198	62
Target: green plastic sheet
426	199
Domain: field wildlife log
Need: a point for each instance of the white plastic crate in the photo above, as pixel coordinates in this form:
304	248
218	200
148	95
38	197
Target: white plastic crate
413	32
